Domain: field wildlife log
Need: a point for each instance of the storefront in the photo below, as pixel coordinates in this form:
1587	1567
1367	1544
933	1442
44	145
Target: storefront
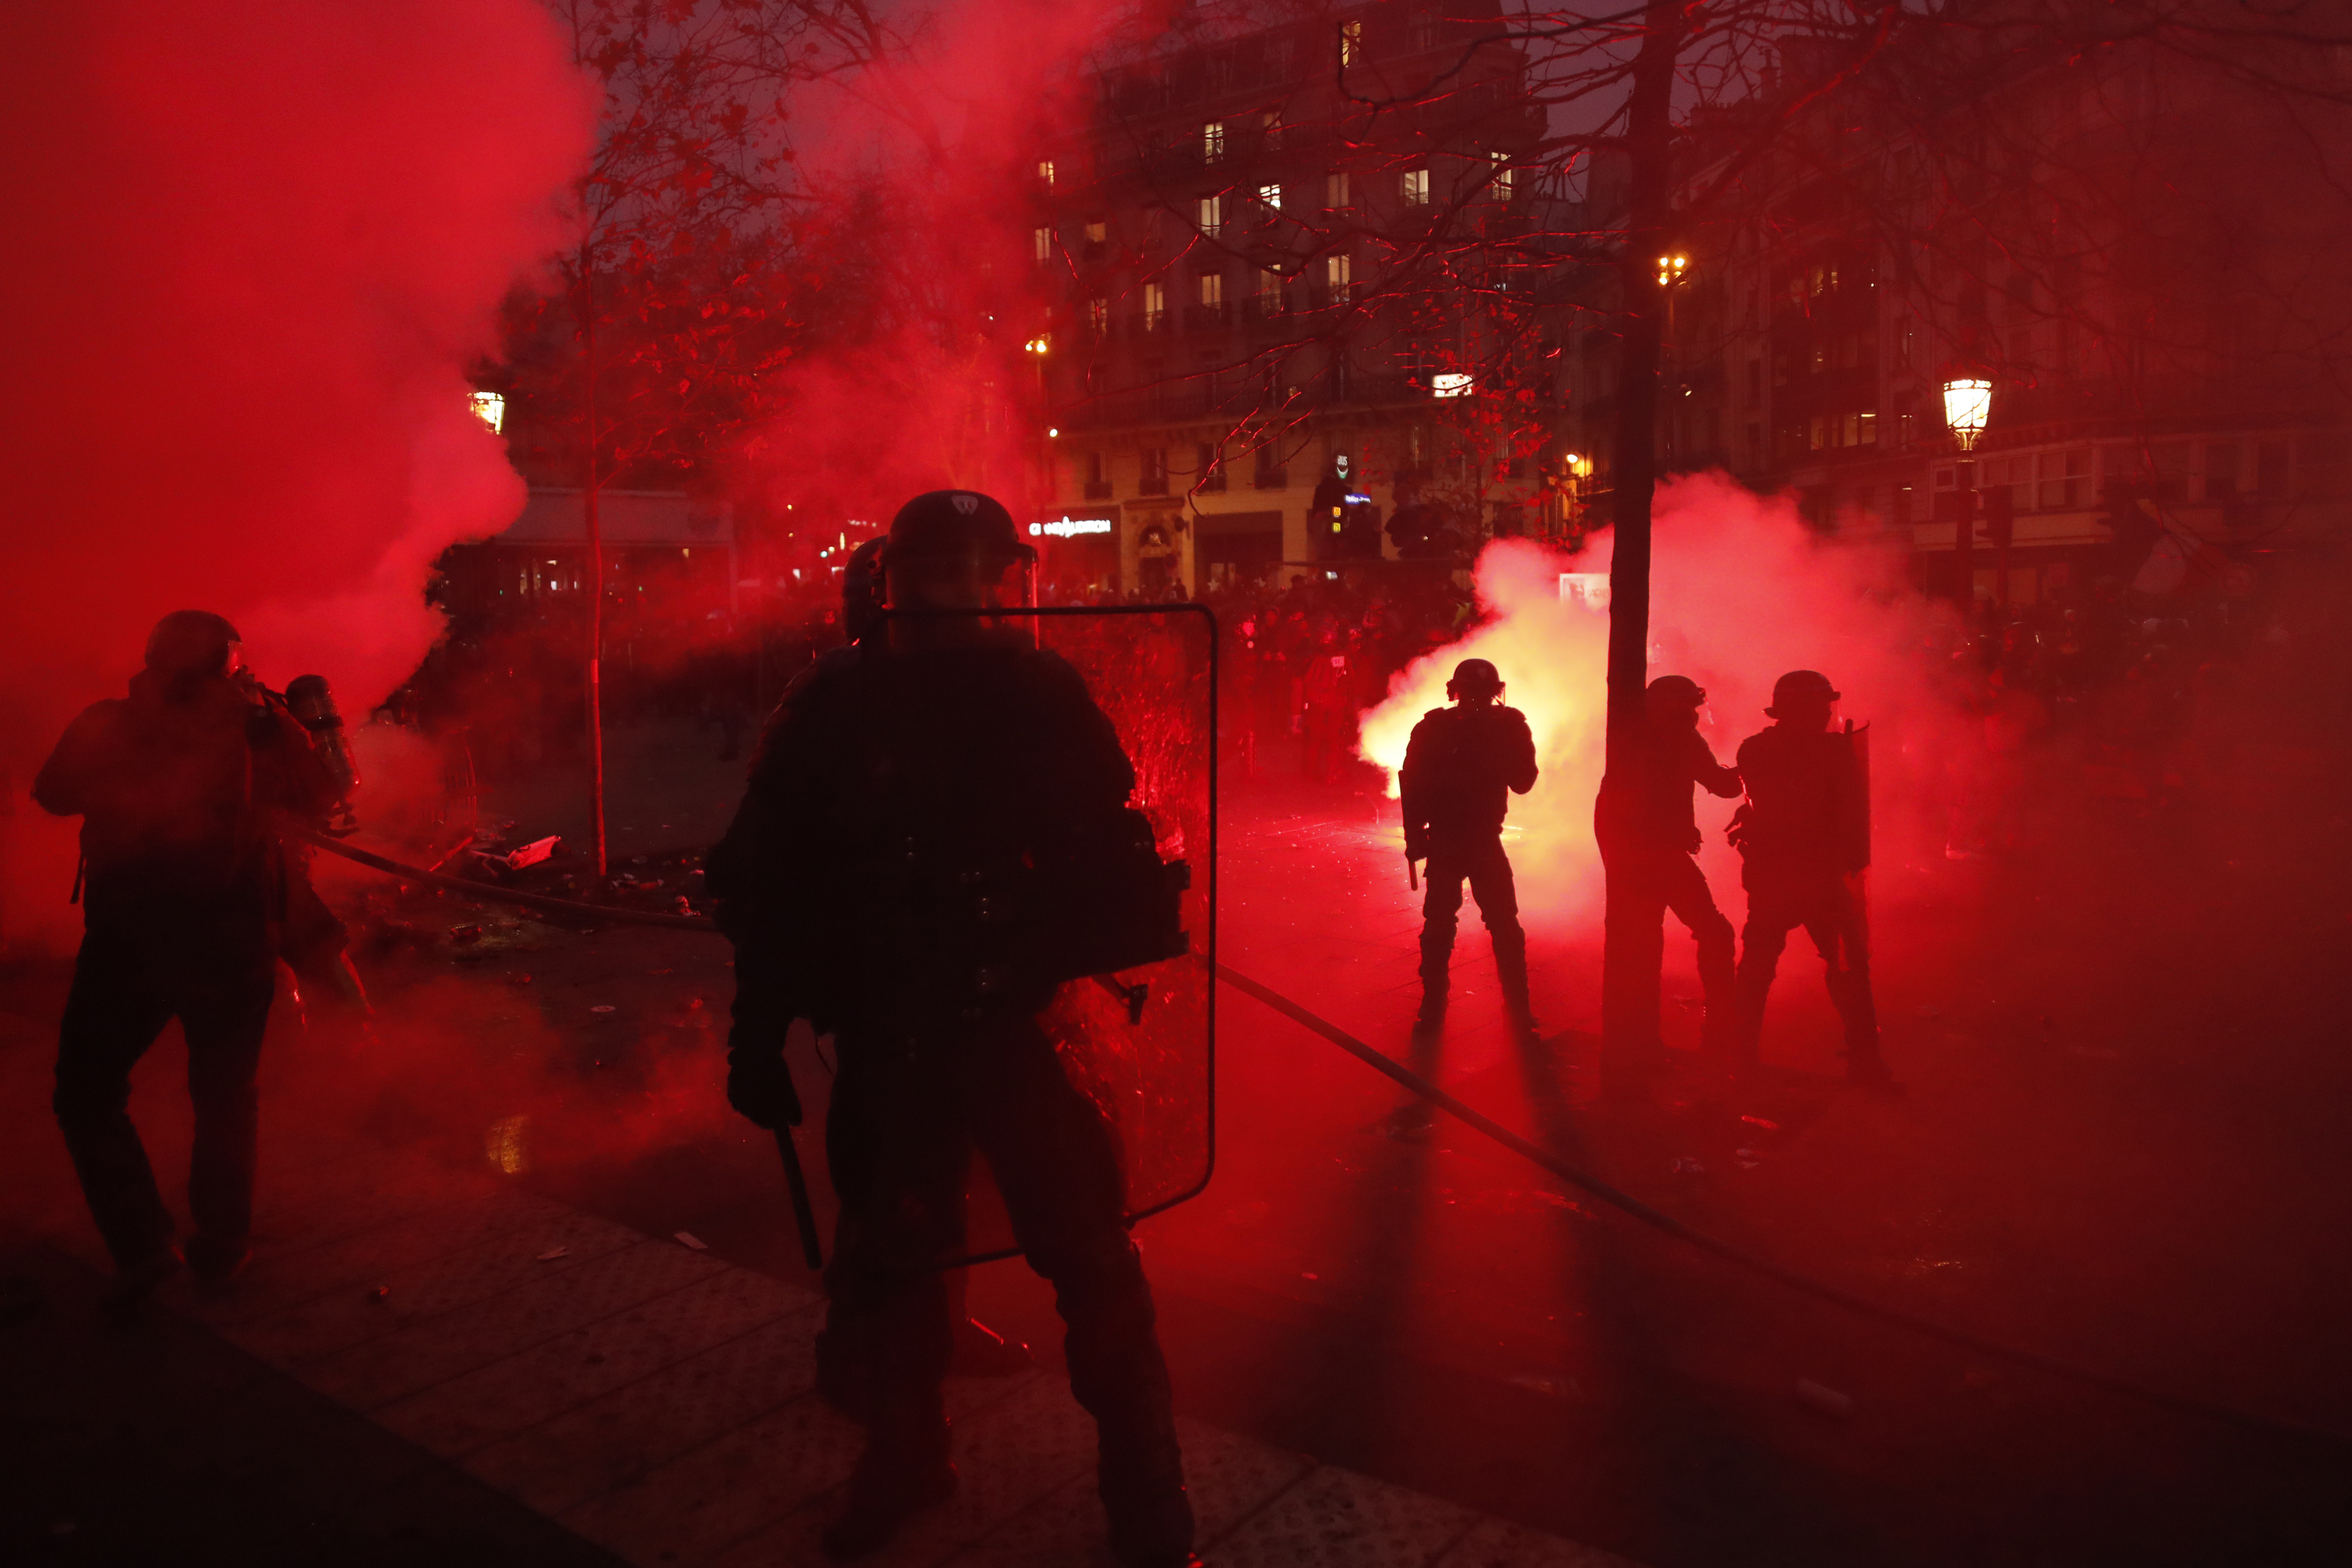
1077	554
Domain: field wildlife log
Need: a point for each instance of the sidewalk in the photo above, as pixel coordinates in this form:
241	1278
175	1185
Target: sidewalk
646	1398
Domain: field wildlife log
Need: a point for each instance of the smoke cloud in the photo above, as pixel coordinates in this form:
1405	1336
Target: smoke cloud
254	249
1742	592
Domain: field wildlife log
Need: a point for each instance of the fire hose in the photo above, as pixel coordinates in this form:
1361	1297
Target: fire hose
1617	1198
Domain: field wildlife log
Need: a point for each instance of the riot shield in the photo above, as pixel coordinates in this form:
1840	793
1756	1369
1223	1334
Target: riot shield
1141	1041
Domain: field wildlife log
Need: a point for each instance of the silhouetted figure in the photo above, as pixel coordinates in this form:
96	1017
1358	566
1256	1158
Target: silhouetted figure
182	788
1648	834
1461	768
873	882
1804	837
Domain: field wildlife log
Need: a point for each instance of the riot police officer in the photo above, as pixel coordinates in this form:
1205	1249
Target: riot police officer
873	882
182	788
1804	838
1461	768
1648	834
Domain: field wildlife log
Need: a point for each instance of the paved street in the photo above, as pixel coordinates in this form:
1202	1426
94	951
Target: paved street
1393	1341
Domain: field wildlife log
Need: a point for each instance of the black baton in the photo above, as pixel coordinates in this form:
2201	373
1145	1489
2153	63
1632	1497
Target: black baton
804	1213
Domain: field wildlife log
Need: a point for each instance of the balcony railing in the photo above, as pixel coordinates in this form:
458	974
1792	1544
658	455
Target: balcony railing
1207	318
1097	489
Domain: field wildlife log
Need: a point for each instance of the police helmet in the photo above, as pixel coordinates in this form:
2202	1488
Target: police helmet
191	642
948	522
1474	679
1679	690
1801	685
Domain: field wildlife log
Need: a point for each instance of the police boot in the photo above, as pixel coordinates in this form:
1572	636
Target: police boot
1151	1514
903	1470
1511	970
1436	958
844	1376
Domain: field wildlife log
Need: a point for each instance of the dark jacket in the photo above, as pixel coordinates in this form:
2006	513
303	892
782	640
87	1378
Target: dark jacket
1804	794
1461	768
183	790
1649	807
892	793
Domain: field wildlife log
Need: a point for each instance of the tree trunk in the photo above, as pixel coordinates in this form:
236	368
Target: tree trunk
1629	985
595	572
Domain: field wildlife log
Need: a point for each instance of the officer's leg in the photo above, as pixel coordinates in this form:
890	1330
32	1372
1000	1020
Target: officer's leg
225	1017
113	1013
1839	932
1056	1162
897	1151
1441	911
1761	940
1498	906
896	1154
1687	894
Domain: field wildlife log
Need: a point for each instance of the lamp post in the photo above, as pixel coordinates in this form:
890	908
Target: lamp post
1672	270
1968	402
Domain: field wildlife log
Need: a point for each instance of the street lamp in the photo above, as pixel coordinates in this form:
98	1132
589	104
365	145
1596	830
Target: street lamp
1967	403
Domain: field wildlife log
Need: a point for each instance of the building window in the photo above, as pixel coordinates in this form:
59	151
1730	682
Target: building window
1044	241
1098	317
1205	464
1334	190
1097	478
1154	480
1213	289
1213	141
1098	235
1155	307
1503	175
1212	215
1045	171
1351	42
1421	31
1338	275
1415	187
1269	291
2221	472
1270	197
1269	124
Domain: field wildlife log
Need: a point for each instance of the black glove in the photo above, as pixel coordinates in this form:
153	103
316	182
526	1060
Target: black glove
1416	843
760	1087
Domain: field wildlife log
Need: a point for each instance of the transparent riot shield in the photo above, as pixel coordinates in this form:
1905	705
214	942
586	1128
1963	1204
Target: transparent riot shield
1141	1041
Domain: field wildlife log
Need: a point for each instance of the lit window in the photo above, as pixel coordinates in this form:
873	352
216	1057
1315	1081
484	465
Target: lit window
1155	306
1044	237
1045	171
490	408
1213	141
1416	187
1335	189
1271	197
1449	383
1212	215
1866	430
1098	230
1269	291
1351	42
1098	317
1503	175
1212	287
1270	124
1338	274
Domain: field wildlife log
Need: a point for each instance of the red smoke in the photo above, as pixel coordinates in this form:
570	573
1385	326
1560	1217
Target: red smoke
253	250
1742	592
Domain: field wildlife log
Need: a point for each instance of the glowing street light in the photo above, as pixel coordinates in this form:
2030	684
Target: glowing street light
490	408
1036	345
1671	269
1967	404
